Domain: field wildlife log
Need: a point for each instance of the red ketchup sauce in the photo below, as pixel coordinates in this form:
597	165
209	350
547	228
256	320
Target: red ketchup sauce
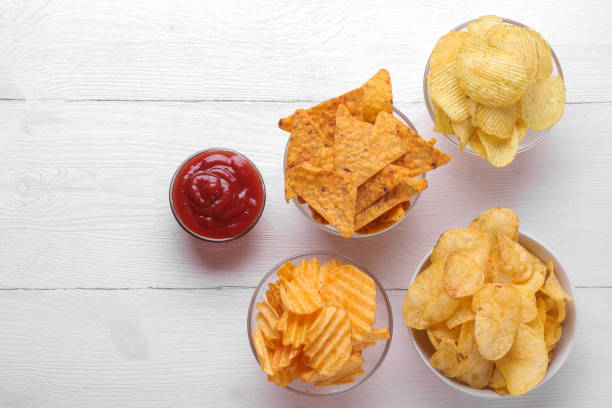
217	194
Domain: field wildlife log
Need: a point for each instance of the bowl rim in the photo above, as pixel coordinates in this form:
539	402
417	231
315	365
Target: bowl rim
204	237
429	104
345	260
328	228
487	393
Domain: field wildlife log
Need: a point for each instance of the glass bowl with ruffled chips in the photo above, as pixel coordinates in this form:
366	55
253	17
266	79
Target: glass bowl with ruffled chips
319	324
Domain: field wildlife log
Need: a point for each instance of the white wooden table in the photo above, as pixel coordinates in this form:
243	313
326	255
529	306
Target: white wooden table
106	302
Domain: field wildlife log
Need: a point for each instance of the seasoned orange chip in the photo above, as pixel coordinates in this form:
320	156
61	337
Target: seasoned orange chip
395	214
329	341
300	295
317	217
262	351
286	271
398	195
294	327
377	96
373	227
273	297
282	356
379	184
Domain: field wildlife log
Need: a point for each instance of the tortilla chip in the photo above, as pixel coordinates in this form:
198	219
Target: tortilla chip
398	195
380	184
330	193
395	214
362	149
306	145
374	227
377	96
317	217
323	115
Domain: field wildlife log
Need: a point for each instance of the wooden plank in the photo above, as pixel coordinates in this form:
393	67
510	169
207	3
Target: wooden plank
159	348
144	49
84	196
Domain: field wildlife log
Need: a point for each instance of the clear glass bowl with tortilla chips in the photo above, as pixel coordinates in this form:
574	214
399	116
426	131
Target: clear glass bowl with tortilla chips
376	228
373	355
561	350
532	137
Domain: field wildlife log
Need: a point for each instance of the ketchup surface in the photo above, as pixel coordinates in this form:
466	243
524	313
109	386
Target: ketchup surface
217	194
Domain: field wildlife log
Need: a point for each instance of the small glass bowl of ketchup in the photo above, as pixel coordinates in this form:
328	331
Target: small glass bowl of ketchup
217	195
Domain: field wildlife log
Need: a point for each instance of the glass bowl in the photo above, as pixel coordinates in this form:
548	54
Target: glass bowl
532	137
561	351
305	209
373	356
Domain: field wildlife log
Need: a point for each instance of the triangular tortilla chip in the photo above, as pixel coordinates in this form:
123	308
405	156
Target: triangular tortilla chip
374	227
361	150
398	195
395	214
377	96
323	114
380	184
330	193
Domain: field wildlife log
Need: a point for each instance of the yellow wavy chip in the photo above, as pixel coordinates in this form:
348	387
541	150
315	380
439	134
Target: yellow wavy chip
448	360
519	41
377	96
329	341
442	123
462	276
479	370
544	56
520	129
473	44
464	131
543	103
300	296
481	26
445	91
472	242
497	120
477	146
500	152
446	49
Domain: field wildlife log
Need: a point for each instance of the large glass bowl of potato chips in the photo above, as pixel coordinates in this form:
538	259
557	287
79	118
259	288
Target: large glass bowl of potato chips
491	309
494	87
319	324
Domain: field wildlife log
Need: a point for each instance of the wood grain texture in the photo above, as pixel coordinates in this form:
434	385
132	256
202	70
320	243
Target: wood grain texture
266	50
161	348
84	196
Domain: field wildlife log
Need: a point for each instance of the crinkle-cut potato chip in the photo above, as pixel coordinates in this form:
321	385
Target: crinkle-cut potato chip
520	129
448	360
474	43
330	266
282	356
354	362
445	91
462	276
329	341
442	123
552	332
377	96
323	115
286	271
498	312
497	380
274	299
477	146
349	378
524	366
317	217
529	309
446	49
361	149
374	227
267	329
286	375
519	41
311	271
500	152
464	131
401	193
349	288
479	370
380	184
269	314
552	287
494	79
362	346
462	314
495	220
381	333
518	261
426	302
472	242
330	193
544	102
544	56
300	295
497	120
481	26
262	351
294	327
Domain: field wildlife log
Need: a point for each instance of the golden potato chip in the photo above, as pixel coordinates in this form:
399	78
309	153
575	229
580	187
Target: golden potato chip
354	291
474	43
286	271
354	362
479	370
520	129
524	366
561	310
500	152
282	356
472	242
543	104
538	323
462	276
379	184
498	308
481	26
518	261
552	287
462	314
552	332
494	79
361	149
495	220
442	123
495	270
477	146
519	41
544	56
300	295
535	282
529	309
262	351
426	302
446	49
448	360
464	130
497	120
497	380
402	192
502	391
294	327
439	332
377	96
330	193
329	341
445	91
374	227
274	299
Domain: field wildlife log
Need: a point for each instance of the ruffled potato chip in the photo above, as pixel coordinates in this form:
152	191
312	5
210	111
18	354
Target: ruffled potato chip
464	131
474	43
544	56
499	152
446	49
477	145
329	341
520	129
462	276
448	360
294	327
445	91
442	123
544	102
519	41
498	121
274	299
267	329
479	370
300	295
352	364
481	26
472	242
262	351
282	356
